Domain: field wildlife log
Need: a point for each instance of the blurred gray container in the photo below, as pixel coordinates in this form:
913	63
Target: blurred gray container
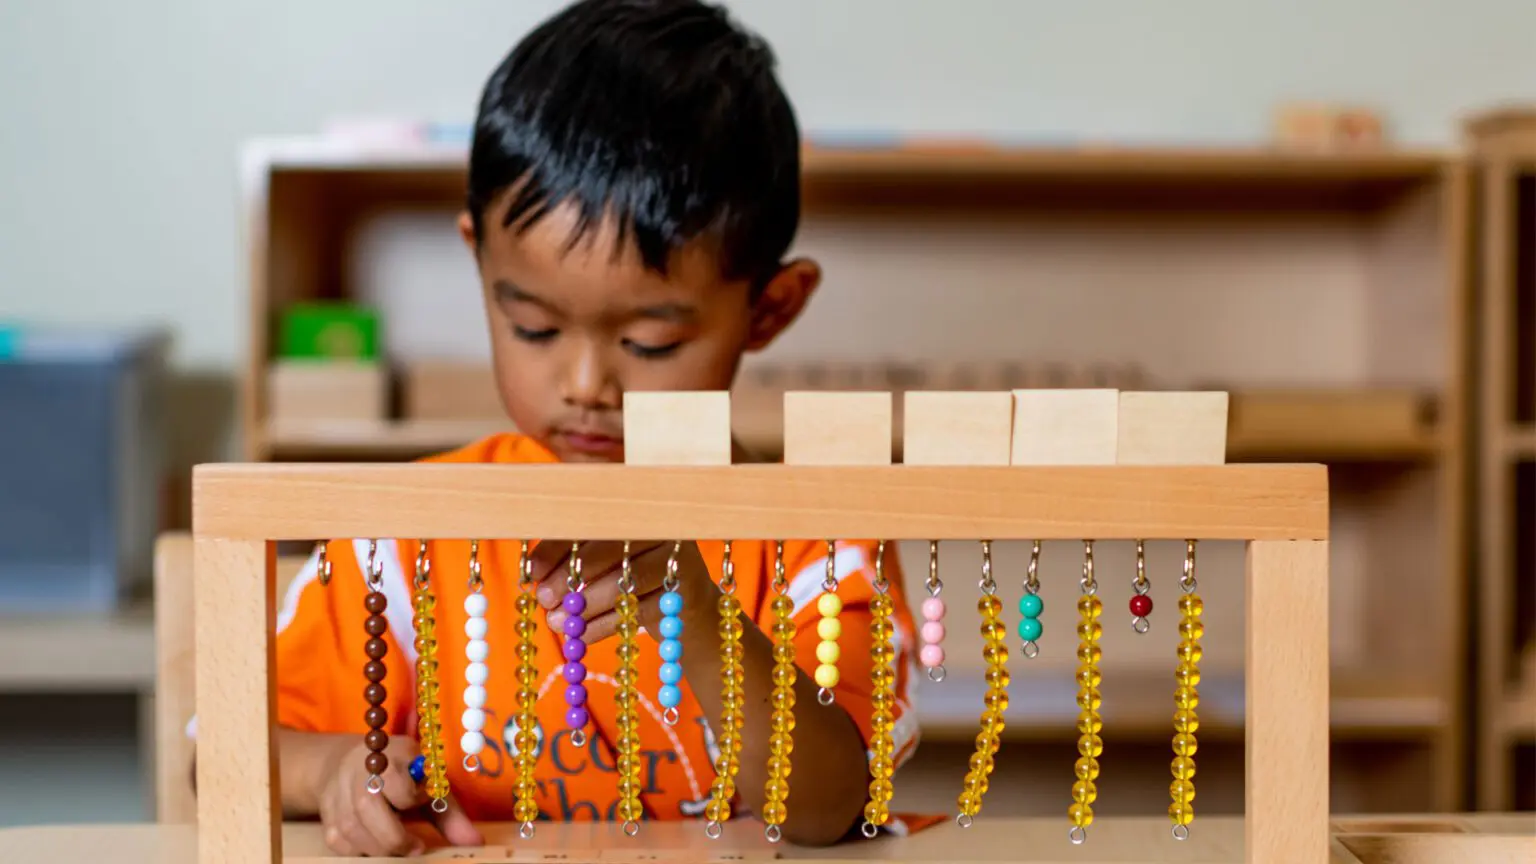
82	460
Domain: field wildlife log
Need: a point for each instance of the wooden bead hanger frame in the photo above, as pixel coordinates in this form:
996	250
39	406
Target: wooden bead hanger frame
1019	465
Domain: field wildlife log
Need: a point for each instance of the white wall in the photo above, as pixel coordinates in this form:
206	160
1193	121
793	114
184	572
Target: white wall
119	122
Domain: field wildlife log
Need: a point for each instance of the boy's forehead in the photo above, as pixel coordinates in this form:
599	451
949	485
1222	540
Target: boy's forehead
559	253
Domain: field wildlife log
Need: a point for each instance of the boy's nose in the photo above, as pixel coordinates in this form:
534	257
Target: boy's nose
589	383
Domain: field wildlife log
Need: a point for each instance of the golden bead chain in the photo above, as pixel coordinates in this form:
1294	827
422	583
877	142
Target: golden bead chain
782	719
882	746
525	741
1089	745
728	738
627	700
434	770
995	653
1186	700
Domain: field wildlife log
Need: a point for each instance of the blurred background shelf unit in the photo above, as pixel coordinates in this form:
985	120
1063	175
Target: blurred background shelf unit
1326	291
1504	146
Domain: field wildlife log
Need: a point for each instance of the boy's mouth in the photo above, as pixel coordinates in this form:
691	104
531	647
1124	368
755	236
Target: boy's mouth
591	442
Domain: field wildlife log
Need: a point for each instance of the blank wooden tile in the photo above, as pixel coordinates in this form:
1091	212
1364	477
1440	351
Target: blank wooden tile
957	428
677	428
1173	428
837	428
1065	427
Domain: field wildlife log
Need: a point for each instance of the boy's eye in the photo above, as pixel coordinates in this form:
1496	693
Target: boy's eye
528	335
650	352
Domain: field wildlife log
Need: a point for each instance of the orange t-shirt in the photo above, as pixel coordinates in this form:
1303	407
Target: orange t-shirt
320	661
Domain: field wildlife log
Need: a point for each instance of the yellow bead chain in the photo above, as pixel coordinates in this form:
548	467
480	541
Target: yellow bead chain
627	700
995	653
782	719
1186	699
526	808
429	725
830	629
882	746
1089	745
728	738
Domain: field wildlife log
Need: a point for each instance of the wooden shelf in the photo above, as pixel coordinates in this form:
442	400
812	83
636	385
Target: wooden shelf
1247	268
75	653
1305	433
1520	444
1137	705
1520	716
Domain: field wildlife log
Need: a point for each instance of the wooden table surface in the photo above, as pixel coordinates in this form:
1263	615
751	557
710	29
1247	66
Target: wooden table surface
1431	839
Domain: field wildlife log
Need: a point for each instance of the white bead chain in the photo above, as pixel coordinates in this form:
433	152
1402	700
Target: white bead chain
477	672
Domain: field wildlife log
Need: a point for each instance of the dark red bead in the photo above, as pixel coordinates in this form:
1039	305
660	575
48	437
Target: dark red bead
376	648
376	717
376	740
1141	605
376	763
376	625
376	603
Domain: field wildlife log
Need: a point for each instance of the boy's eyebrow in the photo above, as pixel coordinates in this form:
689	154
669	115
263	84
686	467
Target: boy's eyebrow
507	292
676	312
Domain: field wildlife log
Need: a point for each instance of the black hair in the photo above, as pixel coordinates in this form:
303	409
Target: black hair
661	114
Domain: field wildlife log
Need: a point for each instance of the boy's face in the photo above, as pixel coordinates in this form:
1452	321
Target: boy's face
573	327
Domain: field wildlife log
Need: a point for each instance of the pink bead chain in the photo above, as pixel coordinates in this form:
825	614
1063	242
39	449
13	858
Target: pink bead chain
932	653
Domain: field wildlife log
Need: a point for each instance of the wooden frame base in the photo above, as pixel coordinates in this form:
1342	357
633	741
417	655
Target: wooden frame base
1281	511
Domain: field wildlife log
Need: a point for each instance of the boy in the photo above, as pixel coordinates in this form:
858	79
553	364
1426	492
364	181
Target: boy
633	189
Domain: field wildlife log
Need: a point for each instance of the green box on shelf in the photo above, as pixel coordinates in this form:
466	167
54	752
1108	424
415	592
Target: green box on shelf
328	331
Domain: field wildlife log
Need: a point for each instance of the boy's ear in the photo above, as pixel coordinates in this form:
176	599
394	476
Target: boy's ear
782	300
467	232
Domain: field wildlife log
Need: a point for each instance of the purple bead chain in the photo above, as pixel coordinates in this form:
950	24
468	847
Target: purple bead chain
575	671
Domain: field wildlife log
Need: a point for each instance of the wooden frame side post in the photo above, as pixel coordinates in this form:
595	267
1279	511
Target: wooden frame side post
239	816
1286	679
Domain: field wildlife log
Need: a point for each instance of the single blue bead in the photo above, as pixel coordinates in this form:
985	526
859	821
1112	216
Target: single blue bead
671	650
671	673
1030	605
671	603
1029	629
671	627
419	769
670	696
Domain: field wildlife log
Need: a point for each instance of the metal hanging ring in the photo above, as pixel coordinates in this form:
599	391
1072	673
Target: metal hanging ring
1181	832
1077	835
869	830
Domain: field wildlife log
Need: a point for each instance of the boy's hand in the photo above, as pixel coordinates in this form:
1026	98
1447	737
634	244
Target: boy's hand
360	823
601	568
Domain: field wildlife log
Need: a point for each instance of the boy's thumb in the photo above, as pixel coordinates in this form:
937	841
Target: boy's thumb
455	825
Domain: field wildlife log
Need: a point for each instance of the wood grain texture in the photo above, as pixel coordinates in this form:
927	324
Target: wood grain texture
1172	428
175	678
957	427
1286	770
685	428
1407	839
1065	427
769	502
837	427
238	811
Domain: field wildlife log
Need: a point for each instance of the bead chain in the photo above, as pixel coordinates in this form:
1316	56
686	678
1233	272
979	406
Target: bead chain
476	673
829	629
782	719
628	744
995	653
882	757
574	649
1187	699
1141	601
732	724
670	694
1089	745
432	770
932	652
1030	606
525	743
377	716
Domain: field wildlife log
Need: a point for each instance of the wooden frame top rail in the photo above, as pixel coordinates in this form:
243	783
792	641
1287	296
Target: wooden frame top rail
764	502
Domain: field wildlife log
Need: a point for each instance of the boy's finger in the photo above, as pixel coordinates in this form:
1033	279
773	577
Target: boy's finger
455	826
601	627
546	557
386	831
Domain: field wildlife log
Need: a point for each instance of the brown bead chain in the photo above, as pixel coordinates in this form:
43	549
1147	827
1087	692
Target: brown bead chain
377	716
